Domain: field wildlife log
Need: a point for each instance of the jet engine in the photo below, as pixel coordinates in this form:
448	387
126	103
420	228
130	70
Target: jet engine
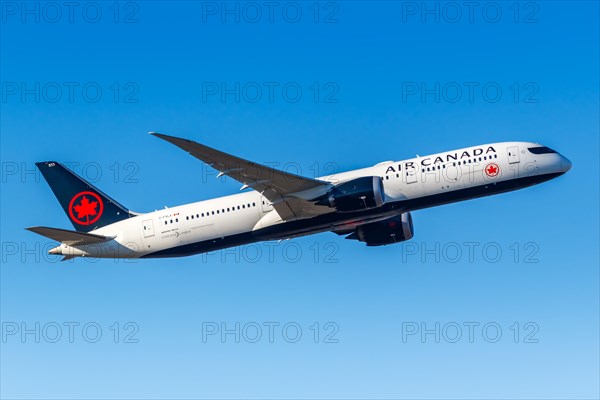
393	230
355	195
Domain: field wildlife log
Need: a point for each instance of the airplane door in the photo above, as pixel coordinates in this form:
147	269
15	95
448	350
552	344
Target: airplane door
148	228
266	205
411	174
513	155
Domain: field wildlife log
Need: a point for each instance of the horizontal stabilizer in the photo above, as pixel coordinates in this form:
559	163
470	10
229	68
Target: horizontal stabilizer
71	238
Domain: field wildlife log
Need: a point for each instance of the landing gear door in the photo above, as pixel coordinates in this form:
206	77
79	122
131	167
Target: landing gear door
513	155
148	228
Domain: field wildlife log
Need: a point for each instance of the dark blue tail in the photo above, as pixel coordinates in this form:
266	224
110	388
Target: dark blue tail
86	206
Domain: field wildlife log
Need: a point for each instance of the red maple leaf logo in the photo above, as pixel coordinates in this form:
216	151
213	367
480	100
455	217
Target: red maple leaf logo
492	170
85	208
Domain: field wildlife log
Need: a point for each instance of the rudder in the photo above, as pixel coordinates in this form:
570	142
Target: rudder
86	206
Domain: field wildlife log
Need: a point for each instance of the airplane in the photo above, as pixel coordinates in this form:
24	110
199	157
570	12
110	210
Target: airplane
371	205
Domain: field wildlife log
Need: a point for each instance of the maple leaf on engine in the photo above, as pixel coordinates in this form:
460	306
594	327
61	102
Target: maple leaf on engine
86	208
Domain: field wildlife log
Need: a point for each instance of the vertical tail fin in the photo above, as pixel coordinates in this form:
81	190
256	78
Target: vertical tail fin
86	206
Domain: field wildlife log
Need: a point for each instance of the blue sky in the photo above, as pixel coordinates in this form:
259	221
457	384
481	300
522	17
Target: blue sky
520	269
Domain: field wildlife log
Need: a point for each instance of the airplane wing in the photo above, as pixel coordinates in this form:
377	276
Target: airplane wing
290	194
71	238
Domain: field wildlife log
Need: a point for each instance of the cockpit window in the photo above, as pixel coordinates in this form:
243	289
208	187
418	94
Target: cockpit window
541	150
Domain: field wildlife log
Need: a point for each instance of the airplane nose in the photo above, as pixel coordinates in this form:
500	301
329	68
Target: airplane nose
565	164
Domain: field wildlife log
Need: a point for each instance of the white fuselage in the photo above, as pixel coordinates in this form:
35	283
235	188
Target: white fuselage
248	217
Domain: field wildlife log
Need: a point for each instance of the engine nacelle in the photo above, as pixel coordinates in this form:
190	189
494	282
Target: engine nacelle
355	195
393	230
